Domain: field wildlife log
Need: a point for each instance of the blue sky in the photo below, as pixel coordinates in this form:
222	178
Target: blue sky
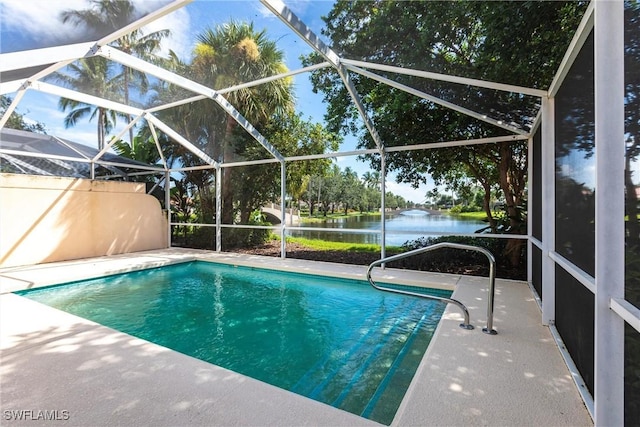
35	23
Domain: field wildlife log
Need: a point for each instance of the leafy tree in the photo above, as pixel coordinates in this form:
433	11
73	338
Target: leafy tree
324	190
293	136
182	204
350	189
17	120
142	149
371	199
471	39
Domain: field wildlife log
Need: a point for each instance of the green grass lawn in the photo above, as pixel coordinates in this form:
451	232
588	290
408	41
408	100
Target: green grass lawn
323	245
480	216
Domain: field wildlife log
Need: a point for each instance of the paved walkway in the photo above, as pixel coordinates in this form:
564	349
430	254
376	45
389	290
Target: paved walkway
87	374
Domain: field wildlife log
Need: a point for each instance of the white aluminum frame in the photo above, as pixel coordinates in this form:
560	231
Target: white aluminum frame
436	100
607	20
609	216
547	169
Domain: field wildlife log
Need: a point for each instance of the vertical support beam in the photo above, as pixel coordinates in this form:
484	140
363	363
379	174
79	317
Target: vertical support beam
283	195
167	204
530	190
610	228
547	169
383	201
218	208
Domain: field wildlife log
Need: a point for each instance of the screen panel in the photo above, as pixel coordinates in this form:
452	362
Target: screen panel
575	163
575	318
536	177
536	267
575	208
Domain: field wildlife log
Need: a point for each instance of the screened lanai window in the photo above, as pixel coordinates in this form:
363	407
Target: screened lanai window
632	199
536	217
575	208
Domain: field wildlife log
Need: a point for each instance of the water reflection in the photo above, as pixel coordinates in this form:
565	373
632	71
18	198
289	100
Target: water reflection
575	164
400	227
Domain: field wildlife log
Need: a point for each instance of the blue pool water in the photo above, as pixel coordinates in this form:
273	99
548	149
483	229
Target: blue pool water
333	340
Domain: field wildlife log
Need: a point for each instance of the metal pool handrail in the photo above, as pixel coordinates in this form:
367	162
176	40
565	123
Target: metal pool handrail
492	281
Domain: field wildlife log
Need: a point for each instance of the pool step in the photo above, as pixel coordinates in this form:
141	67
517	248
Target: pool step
364	383
390	367
386	399
328	366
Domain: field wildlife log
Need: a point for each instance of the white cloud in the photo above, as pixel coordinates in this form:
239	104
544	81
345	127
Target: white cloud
179	23
40	18
262	10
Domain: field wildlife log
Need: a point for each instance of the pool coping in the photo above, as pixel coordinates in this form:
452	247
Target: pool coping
465	377
31	277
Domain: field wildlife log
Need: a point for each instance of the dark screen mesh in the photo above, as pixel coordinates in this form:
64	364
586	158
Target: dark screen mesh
575	208
631	377
536	267
575	164
575	314
536	197
632	186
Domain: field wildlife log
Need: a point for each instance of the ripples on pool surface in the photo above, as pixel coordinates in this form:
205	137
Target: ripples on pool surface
336	341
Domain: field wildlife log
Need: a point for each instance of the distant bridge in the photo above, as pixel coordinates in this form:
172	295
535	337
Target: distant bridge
274	216
429	211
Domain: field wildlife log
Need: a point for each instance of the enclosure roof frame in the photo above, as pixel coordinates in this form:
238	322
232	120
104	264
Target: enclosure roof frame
55	58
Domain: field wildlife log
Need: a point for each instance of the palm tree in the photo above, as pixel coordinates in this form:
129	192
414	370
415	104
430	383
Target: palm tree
103	17
143	46
231	54
106	16
372	179
93	75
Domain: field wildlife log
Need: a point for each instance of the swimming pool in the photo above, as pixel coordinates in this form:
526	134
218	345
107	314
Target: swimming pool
333	340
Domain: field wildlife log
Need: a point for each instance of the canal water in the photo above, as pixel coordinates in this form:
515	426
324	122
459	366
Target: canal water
400	227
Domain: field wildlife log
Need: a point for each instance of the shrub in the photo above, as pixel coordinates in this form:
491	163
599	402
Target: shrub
460	261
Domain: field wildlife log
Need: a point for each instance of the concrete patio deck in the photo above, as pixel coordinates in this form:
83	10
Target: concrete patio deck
82	373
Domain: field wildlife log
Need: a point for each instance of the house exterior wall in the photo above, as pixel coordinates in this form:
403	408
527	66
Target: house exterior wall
46	219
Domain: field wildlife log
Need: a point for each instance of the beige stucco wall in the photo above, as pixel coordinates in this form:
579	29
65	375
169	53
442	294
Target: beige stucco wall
45	219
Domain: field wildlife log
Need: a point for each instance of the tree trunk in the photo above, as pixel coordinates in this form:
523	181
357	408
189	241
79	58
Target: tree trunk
101	120
486	199
486	205
227	187
126	102
514	247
